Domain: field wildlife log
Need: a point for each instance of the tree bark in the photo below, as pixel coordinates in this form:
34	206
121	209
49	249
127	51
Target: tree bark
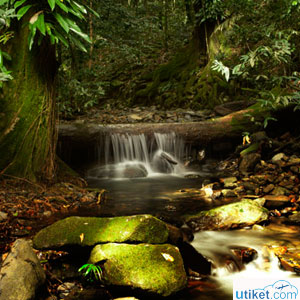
27	126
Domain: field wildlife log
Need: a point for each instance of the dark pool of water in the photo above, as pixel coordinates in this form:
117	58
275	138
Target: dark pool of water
159	196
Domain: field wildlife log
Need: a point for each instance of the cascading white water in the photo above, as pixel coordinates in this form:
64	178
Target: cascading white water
219	245
132	156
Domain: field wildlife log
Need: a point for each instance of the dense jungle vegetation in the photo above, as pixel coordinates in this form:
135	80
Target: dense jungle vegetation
73	56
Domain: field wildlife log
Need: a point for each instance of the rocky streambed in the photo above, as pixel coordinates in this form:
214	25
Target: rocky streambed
256	190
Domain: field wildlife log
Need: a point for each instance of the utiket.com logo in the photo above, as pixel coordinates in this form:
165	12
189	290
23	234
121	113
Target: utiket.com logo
279	290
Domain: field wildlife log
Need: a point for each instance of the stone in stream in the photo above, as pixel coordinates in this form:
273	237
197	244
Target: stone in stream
134	171
245	212
21	273
248	163
153	268
89	231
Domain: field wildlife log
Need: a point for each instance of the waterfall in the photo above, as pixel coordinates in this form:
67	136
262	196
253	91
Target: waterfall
133	156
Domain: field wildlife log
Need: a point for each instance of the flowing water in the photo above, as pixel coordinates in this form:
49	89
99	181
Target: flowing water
150	177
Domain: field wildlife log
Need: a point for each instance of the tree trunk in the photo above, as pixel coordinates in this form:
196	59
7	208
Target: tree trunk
27	126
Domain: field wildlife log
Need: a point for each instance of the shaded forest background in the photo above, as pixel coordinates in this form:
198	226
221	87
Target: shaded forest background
75	57
194	54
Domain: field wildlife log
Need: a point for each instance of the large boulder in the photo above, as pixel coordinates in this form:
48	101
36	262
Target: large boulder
89	231
21	274
245	212
154	268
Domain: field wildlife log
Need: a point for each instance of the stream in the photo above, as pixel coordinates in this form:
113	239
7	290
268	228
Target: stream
152	178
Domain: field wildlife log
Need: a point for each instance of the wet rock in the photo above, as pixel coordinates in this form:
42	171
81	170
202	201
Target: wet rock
250	186
21	274
280	191
248	163
245	212
290	261
154	268
293	161
295	169
168	158
244	255
228	193
65	288
229	182
175	234
273	201
279	159
135	171
269	188
194	260
88	231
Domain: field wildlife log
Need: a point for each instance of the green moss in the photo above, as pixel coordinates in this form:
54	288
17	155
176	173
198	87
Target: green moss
88	231
245	212
155	268
27	137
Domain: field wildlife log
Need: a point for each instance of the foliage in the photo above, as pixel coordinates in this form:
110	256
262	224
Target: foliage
54	18
5	35
128	41
265	59
210	10
91	272
219	67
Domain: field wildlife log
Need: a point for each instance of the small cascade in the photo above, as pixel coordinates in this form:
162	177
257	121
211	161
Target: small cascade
133	156
219	249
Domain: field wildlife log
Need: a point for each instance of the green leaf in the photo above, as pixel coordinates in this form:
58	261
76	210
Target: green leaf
79	6
60	37
72	24
23	10
19	3
78	44
51	4
76	13
62	22
93	12
62	6
81	34
40	24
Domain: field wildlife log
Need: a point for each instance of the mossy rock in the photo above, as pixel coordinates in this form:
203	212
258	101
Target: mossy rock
154	268
242	213
89	231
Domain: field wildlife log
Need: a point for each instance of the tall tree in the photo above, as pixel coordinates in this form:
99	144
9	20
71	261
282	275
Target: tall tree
27	128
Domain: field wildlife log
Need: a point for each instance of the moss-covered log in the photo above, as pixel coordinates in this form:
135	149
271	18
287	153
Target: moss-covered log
27	125
202	133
